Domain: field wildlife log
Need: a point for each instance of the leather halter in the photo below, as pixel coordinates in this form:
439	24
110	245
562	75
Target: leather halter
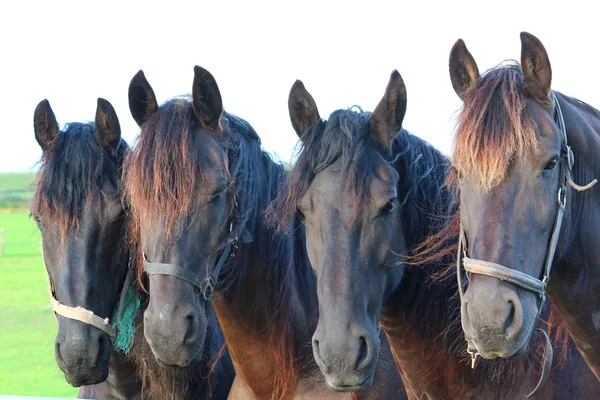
207	283
87	316
518	278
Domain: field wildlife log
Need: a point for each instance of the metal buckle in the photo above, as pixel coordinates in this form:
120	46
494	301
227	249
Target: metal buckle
570	157
208	288
562	197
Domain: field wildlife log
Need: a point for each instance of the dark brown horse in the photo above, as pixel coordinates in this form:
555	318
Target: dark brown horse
199	183
78	208
513	150
368	193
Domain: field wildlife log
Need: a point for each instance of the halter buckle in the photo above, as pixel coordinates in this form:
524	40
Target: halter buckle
562	197
570	157
208	287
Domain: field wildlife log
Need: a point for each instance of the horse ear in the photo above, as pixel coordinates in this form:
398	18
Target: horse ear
45	125
303	109
206	100
387	117
142	101
463	69
108	130
536	67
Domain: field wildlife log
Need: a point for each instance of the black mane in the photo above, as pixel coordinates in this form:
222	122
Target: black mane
72	172
256	182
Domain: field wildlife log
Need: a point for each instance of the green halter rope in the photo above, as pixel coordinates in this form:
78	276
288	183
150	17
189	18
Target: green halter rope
125	312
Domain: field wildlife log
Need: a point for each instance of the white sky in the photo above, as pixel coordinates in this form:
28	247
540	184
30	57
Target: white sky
73	52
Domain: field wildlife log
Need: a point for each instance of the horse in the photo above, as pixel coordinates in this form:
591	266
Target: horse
198	183
527	226
369	194
78	209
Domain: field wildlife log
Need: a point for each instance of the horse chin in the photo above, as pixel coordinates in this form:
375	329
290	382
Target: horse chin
506	350
186	358
366	384
91	377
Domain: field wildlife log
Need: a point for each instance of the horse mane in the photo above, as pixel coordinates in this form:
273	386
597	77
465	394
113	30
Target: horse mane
257	181
72	173
161	175
493	128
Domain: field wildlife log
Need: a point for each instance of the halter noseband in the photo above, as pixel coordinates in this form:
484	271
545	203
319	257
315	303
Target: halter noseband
87	316
518	278
207	283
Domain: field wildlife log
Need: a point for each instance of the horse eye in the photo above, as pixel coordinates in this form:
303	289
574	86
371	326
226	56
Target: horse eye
388	207
300	214
36	218
551	164
219	195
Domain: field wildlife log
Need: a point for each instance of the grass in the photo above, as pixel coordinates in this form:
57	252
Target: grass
27	324
15	191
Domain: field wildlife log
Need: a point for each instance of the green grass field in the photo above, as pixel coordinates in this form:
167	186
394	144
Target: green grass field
15	191
27	324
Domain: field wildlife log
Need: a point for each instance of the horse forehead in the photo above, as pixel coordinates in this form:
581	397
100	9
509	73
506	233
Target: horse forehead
329	184
212	157
544	122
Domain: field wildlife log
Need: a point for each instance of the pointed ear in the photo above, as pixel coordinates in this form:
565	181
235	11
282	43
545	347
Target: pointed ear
463	69
206	100
536	67
303	109
142	101
108	130
387	117
45	125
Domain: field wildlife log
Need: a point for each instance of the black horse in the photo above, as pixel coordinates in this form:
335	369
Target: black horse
78	208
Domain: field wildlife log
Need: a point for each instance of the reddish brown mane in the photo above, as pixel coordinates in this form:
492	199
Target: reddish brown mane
493	128
163	172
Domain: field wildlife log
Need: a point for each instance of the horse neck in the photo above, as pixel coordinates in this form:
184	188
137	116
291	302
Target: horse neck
575	278
422	321
265	308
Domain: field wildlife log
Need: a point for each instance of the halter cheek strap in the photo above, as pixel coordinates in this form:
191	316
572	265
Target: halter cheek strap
207	283
518	278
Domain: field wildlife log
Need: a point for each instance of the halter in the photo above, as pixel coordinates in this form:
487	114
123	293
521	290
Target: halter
87	316
209	282
518	278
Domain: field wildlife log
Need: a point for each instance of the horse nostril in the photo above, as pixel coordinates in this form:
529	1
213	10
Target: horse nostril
514	320
316	349
57	351
101	346
511	316
191	329
364	354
